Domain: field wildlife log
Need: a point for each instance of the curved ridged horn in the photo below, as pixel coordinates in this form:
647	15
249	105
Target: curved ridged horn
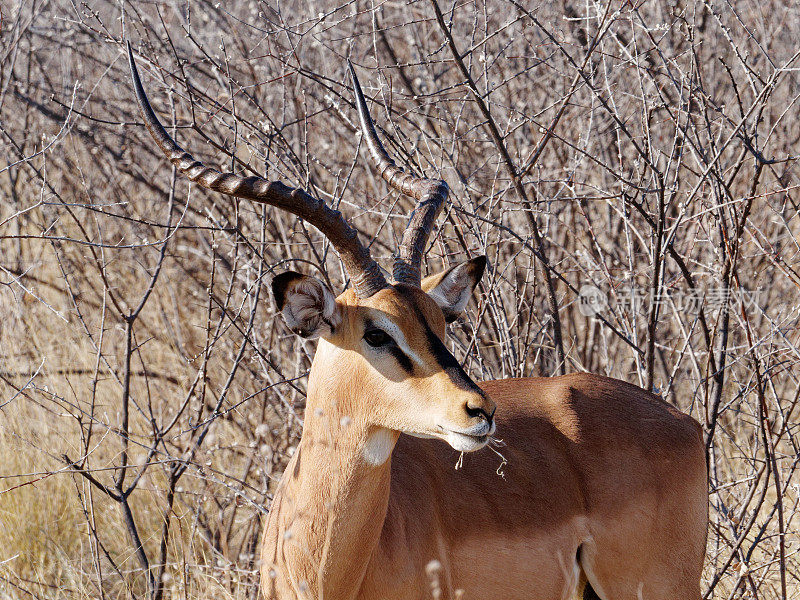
431	194
363	270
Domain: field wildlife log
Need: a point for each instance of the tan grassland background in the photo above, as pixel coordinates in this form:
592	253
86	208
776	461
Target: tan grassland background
150	395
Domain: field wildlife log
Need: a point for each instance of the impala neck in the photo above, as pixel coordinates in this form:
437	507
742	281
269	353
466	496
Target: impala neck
328	512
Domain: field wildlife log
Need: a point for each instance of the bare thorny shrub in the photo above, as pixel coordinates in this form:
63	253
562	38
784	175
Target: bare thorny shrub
149	396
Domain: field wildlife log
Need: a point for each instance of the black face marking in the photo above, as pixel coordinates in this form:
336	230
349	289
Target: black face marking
402	359
441	354
448	362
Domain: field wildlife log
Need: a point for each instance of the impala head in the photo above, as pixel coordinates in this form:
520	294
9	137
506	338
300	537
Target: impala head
387	353
381	344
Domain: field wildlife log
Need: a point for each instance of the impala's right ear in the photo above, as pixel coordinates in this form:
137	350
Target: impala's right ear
308	306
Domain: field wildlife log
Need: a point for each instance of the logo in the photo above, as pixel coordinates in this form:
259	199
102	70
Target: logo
591	301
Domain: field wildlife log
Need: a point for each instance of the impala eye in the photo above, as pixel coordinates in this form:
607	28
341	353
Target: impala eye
377	337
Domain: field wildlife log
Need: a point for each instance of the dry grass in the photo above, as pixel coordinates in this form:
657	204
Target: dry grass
670	169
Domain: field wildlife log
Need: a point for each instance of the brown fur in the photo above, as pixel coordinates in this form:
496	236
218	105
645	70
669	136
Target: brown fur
597	470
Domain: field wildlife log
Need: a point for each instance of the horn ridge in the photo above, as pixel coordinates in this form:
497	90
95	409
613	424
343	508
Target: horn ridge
364	272
431	195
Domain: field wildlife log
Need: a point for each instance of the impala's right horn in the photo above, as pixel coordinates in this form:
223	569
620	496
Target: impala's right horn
364	271
431	194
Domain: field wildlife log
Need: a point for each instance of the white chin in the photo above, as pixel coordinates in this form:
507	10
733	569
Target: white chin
466	443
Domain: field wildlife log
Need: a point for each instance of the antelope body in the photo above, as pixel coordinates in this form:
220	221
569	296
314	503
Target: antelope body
601	491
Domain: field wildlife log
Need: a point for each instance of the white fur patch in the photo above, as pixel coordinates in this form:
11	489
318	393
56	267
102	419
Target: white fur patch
310	309
379	446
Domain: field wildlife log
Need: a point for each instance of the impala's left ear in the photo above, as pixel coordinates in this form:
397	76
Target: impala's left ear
451	289
308	306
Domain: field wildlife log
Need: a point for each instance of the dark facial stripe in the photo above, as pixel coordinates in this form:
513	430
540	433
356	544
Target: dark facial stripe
440	352
449	363
402	359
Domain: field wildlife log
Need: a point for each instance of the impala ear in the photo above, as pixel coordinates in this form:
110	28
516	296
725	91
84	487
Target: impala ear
308	306
452	289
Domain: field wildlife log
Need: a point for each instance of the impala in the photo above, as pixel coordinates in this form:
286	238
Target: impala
604	490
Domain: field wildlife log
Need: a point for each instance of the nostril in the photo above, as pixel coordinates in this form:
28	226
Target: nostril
478	411
472	412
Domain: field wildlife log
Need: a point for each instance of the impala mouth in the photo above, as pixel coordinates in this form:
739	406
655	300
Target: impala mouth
468	440
463	440
466	443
